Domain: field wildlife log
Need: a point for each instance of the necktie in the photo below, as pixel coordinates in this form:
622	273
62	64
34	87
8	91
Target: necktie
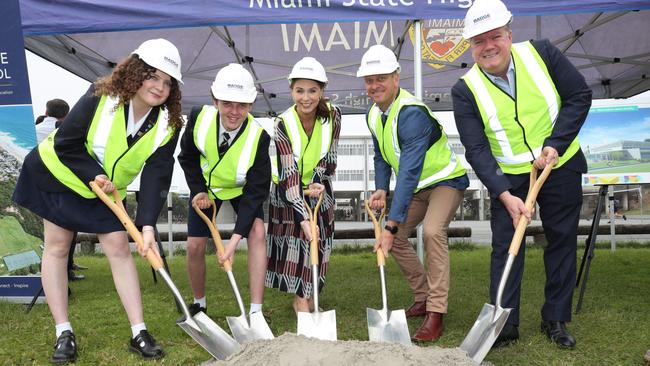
384	117
223	146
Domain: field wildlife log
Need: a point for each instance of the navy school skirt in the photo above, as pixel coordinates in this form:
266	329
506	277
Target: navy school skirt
65	209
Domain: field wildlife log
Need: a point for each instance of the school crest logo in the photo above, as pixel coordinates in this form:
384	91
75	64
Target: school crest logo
442	40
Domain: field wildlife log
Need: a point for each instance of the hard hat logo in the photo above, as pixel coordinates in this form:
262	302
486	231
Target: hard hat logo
236	86
171	61
483	17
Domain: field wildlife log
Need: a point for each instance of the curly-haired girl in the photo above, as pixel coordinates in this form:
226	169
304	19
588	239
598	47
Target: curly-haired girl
127	123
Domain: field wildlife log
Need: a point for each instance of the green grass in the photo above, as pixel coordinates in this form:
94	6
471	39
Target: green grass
613	327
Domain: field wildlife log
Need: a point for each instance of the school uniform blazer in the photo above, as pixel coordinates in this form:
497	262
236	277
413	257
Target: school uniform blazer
576	101
69	144
258	177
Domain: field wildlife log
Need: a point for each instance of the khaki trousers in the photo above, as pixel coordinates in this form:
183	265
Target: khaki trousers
434	208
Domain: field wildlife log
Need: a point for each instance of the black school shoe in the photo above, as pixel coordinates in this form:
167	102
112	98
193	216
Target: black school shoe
145	345
65	349
193	309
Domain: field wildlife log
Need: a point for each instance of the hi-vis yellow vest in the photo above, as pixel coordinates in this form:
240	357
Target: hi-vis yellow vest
106	143
225	177
440	162
516	128
307	151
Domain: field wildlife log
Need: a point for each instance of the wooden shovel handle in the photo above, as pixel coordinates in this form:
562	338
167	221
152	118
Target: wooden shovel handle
313	246
212	225
381	256
533	191
118	209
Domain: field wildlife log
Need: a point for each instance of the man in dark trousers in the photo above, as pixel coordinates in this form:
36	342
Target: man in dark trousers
522	105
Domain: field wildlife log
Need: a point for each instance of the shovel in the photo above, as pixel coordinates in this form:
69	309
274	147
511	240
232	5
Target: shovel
492	318
384	325
242	329
318	324
200	327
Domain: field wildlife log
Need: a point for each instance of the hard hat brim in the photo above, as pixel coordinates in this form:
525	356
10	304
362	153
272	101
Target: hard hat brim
367	71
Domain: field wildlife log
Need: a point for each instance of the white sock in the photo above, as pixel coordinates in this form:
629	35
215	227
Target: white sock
60	328
200	301
255	308
135	329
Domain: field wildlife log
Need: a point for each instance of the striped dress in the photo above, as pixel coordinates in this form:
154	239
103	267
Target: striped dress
289	267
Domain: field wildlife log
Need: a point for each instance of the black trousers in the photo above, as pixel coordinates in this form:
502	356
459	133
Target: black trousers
560	200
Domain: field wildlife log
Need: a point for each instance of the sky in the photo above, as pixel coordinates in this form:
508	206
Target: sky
48	81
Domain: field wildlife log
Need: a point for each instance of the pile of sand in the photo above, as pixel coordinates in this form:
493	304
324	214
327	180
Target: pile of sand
290	349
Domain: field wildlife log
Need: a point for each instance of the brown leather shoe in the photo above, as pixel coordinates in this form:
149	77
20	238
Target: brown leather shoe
419	308
431	328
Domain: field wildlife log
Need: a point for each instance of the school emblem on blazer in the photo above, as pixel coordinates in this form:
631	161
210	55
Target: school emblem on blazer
442	41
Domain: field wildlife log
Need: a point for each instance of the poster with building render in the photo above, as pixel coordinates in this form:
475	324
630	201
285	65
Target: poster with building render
616	142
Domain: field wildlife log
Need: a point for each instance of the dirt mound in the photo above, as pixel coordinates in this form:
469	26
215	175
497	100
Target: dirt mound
290	349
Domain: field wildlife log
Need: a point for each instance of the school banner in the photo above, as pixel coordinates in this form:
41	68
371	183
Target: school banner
20	245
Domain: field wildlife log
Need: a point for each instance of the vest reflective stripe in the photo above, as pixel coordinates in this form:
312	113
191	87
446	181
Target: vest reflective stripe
440	162
225	177
504	118
208	114
306	154
106	143
442	174
543	82
493	119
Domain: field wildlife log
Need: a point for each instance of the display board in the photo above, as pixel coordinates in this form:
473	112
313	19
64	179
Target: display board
616	142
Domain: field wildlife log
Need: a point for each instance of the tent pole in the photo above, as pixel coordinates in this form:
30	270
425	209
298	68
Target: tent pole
417	59
417	87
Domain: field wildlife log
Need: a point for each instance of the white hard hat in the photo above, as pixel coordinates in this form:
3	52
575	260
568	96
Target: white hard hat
234	83
308	68
161	54
485	15
378	60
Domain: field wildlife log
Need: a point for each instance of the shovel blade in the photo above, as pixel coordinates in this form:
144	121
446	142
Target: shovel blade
319	324
388	326
485	331
245	332
211	337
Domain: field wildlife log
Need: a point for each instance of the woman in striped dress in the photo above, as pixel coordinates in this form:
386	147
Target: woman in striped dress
306	139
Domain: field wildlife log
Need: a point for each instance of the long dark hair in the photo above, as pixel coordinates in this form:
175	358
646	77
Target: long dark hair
127	78
321	109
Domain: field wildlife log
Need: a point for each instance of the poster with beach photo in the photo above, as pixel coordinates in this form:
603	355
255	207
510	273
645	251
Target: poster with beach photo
616	142
20	230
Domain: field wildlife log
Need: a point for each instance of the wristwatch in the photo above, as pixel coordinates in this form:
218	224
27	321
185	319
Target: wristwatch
391	229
